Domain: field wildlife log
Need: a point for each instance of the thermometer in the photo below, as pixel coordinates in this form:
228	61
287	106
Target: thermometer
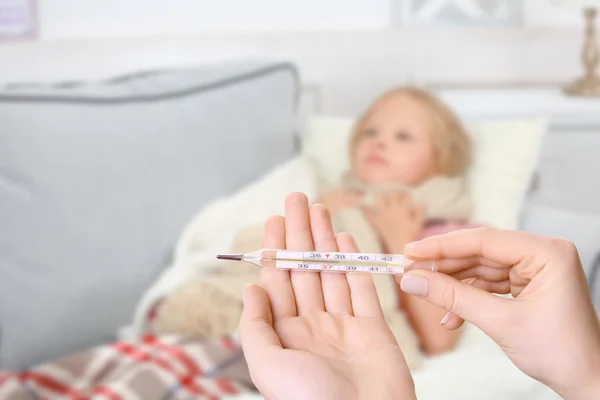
315	261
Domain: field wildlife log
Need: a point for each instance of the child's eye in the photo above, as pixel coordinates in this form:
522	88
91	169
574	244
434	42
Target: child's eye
402	136
371	133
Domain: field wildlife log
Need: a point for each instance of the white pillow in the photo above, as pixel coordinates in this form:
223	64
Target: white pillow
505	159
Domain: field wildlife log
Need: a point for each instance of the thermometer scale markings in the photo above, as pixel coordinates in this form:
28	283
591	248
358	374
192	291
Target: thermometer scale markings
345	262
354	259
392	264
290	264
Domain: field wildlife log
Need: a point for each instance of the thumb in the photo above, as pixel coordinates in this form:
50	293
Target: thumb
468	302
256	325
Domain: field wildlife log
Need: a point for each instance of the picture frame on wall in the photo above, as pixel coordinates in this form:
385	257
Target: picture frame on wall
18	19
460	12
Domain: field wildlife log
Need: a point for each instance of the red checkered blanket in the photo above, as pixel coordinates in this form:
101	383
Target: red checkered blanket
153	367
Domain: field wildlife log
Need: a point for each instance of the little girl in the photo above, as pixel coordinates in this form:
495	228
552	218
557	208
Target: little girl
410	140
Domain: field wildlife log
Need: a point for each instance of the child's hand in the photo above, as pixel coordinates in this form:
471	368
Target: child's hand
397	220
339	200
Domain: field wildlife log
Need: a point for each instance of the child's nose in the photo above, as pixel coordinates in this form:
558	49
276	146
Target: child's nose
380	143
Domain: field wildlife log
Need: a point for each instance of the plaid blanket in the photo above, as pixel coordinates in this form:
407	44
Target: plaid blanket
153	367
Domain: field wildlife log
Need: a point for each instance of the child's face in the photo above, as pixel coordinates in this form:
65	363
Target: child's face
396	144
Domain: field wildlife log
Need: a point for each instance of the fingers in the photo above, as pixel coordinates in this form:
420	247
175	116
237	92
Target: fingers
505	247
404	200
369	213
502	287
276	282
489	274
383	201
256	327
298	236
466	268
465	301
363	294
420	213
455	265
452	322
336	293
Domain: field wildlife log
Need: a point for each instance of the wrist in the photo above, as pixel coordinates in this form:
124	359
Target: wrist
590	391
587	388
386	390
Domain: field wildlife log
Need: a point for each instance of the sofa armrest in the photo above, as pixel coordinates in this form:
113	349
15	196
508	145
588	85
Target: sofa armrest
594	282
580	228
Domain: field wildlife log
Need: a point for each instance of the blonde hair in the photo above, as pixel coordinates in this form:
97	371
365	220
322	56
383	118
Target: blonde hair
453	144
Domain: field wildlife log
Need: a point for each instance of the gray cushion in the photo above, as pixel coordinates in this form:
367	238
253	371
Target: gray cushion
581	229
98	179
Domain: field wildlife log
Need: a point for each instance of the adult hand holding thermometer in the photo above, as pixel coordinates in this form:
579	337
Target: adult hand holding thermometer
308	336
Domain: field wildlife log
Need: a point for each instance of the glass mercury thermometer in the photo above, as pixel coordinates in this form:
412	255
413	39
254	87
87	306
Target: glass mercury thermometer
315	261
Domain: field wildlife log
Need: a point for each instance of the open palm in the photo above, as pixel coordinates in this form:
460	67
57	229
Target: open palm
318	336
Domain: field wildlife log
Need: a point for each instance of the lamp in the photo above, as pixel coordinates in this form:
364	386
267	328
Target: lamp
589	84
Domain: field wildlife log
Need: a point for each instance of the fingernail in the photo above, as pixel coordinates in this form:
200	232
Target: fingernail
446	318
417	285
434	266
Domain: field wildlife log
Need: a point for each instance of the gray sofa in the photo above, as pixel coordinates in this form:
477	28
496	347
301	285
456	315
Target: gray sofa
98	179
